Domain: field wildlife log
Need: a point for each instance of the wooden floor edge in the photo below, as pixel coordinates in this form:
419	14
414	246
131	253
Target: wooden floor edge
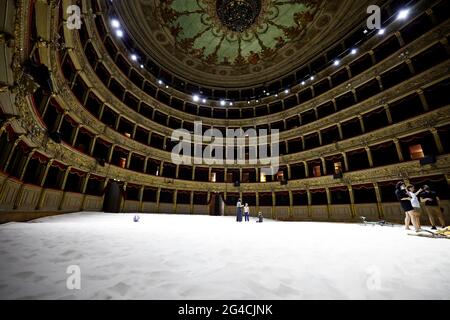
8	216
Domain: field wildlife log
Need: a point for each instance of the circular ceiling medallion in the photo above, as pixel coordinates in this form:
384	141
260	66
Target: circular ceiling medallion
238	15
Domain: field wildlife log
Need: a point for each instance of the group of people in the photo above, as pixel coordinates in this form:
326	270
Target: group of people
244	210
413	201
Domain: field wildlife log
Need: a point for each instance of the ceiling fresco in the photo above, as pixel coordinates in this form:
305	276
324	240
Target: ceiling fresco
236	43
235	32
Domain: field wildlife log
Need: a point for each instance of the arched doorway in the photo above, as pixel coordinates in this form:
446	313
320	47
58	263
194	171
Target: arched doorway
113	197
216	204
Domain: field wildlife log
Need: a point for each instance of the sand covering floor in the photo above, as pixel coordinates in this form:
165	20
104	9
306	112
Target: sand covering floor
202	257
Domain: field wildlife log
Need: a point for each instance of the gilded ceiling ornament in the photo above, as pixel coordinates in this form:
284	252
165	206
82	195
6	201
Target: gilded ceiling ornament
235	32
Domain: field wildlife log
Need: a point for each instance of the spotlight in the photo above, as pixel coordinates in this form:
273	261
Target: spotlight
286	91
336	62
222	103
204	100
312	78
403	14
134	57
354	51
160	82
381	32
142	66
119	33
115	23
167	87
303	83
276	95
196	98
231	103
365	31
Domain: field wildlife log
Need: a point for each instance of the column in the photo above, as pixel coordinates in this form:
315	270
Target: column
41	184
349	71
324	166
306	169
379	200
116	125
380	83
16	143
437	141
289	171
59	121
257	202
399	38
133	134
327	190
423	100
192	203
372	56
92	146
102	109
346	166
352	201
146	164
274	199
110	154
388	114
83	189
398	147
369	156
161	168
129	160
24	169
341	134
158	193
74	137
175	195
361	122
291	204
309	203
141	199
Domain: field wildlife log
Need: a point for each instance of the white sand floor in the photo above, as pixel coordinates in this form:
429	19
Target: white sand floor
202	257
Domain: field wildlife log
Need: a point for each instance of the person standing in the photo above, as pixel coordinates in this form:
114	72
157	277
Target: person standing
239	211
405	201
432	206
414	198
247	212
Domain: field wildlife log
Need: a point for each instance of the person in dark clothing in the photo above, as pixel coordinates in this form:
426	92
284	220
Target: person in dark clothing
431	202
239	207
405	202
260	217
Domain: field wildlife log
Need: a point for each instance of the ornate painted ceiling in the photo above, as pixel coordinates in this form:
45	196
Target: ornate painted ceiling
235	43
235	32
